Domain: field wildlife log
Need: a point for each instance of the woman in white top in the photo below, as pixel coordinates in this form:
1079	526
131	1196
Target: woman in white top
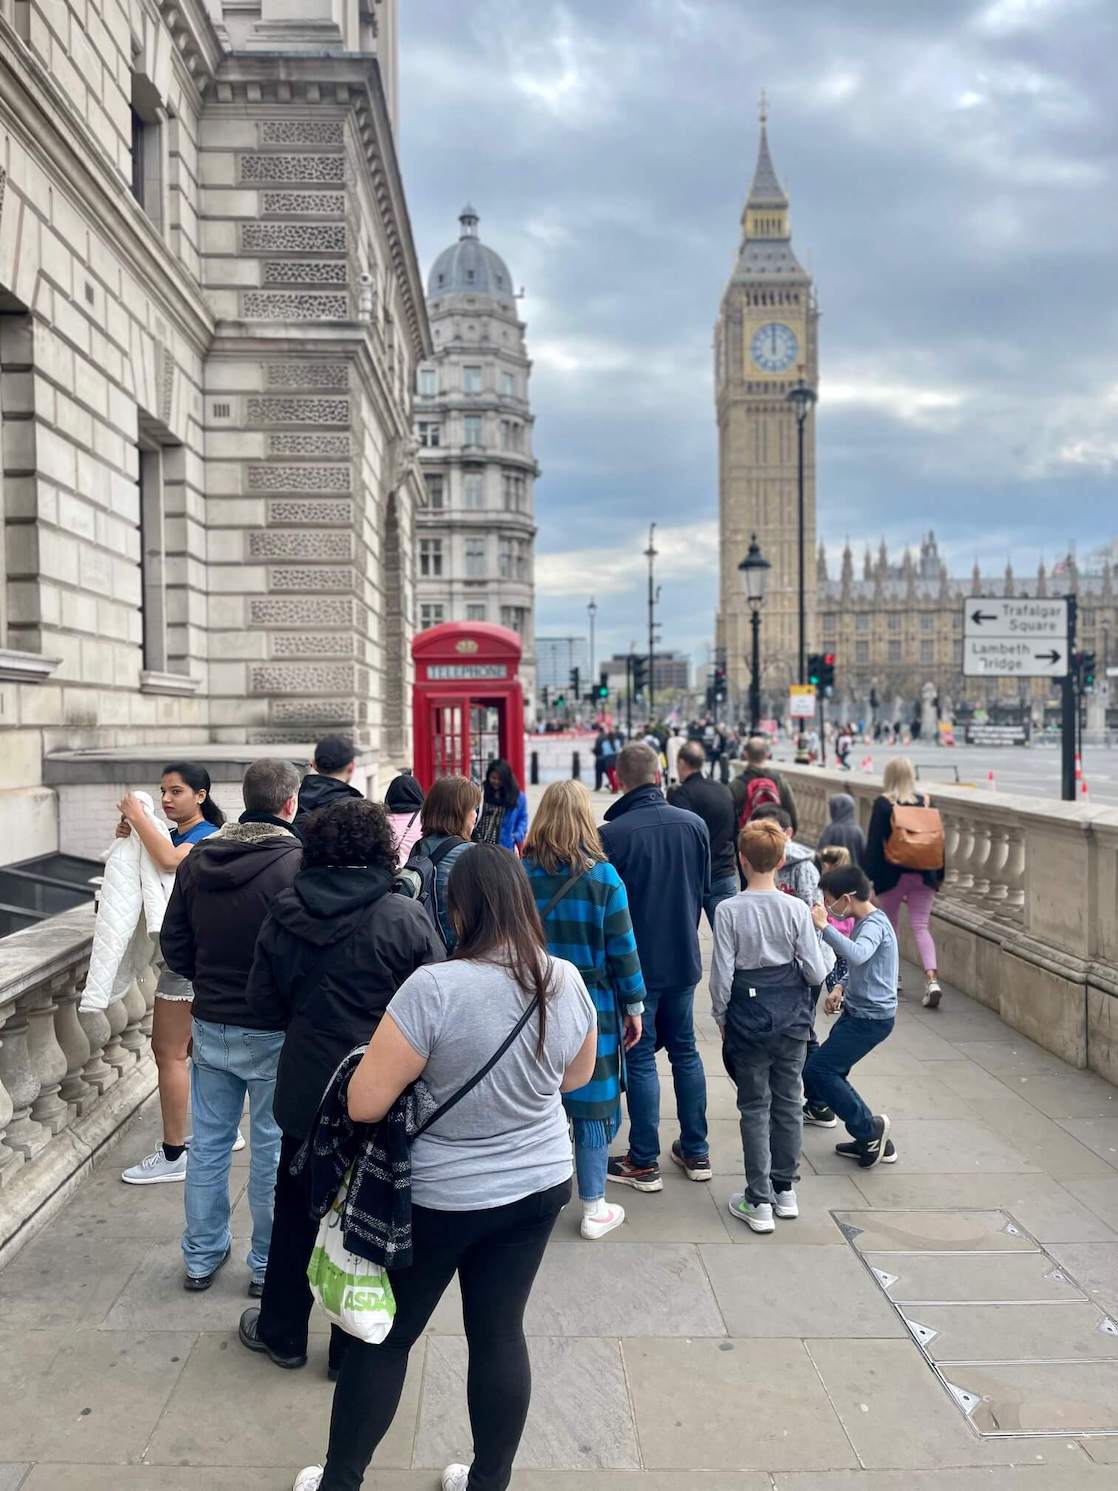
488	1180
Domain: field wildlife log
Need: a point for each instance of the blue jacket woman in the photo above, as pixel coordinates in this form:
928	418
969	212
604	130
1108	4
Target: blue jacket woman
504	809
585	913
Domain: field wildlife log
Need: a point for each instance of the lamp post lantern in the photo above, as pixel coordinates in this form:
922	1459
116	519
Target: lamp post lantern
802	397
754	571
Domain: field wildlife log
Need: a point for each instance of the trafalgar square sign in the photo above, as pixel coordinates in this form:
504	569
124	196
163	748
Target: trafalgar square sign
1015	637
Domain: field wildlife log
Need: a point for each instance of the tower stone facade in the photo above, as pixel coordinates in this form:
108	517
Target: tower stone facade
765	342
474	422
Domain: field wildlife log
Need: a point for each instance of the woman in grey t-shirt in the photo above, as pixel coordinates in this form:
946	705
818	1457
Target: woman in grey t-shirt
488	1180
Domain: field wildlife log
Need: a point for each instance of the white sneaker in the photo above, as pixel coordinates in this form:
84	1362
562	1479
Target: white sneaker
785	1204
455	1478
758	1218
154	1169
597	1223
309	1479
932	994
238	1143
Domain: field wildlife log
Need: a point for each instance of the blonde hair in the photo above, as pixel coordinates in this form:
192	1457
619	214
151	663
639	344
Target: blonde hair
834	856
761	844
563	832
899	782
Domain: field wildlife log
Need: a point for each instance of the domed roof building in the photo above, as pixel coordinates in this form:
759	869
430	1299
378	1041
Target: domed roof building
474	539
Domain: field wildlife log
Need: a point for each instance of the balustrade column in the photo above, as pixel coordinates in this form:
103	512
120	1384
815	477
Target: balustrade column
9	1159
115	1053
981	861
135	1006
17	1074
1015	873
964	881
47	1059
97	1071
72	1038
999	856
951	834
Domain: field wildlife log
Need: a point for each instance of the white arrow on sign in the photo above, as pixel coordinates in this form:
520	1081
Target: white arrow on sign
1004	657
1013	616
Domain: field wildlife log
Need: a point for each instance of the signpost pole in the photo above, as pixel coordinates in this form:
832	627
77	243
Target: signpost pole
1069	712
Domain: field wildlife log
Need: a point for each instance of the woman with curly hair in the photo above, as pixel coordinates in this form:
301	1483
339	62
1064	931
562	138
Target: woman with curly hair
335	948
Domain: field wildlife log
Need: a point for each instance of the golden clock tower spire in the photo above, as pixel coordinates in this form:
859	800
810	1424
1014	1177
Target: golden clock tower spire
765	341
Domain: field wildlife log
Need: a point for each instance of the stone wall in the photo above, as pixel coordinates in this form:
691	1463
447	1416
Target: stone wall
1027	919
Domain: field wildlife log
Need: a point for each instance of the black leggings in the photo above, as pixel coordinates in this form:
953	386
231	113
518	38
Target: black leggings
496	1254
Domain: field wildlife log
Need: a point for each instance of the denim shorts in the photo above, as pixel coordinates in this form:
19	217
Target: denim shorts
172	986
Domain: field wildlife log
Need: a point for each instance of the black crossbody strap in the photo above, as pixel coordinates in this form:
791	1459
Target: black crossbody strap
560	893
469	1086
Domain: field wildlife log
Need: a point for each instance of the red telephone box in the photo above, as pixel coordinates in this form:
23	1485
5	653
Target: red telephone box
467	703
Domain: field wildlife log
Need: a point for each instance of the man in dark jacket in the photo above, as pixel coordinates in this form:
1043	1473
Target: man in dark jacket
662	853
332	953
219	902
714	805
757	765
330	778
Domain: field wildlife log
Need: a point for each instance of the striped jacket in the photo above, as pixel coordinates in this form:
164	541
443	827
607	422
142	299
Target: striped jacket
591	928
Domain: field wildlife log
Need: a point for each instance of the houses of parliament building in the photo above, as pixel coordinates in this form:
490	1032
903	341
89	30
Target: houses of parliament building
893	622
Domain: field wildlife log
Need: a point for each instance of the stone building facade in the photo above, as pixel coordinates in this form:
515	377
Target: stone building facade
766	340
210	319
474	424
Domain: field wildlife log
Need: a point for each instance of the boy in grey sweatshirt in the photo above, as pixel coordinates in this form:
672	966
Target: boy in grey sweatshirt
869	1010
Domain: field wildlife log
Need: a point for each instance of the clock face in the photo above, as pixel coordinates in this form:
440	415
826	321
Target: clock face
774	347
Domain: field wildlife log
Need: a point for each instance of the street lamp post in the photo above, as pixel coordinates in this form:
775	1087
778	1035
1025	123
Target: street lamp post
592	612
754	571
801	398
653	596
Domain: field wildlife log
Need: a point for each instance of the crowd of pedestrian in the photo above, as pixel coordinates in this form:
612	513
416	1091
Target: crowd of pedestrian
434	1010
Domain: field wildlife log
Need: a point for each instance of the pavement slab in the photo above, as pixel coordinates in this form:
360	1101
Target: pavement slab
797	1291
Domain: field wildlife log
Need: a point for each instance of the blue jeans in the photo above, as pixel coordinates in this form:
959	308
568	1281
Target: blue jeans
828	1067
669	1021
230	1061
720	890
591	1159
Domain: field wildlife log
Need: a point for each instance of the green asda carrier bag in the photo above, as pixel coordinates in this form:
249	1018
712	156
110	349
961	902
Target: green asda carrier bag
355	1294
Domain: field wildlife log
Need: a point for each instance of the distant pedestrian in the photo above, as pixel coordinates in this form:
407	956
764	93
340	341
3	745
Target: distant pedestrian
403	806
843	827
186	798
585	914
334	949
748	795
766	959
223	891
868	1012
328	778
894	885
714	805
662	854
604	753
504	809
843	746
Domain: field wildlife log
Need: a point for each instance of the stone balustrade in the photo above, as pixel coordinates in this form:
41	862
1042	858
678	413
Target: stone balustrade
1027	918
68	1079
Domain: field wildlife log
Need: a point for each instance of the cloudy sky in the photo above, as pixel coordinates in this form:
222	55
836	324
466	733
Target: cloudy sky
952	169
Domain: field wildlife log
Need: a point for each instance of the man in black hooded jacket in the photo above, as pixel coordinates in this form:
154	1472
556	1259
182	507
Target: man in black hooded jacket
330	779
334	950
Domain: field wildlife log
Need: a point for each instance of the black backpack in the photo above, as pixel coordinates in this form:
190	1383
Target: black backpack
416	879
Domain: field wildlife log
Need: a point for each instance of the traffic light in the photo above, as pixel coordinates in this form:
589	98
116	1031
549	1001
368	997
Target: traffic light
602	691
815	671
719	687
560	701
575	676
640	673
828	673
545	691
1087	672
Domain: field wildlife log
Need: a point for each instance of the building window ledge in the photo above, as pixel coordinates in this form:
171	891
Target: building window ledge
26	667
168	683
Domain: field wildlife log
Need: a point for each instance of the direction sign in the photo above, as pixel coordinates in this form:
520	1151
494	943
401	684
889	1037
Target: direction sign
1015	637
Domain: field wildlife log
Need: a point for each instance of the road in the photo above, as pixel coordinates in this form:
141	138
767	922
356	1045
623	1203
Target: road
1028	771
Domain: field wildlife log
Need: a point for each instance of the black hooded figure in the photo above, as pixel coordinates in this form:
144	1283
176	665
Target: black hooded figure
844	828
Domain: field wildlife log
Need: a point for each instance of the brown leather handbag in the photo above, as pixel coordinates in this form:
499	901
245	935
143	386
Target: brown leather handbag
915	839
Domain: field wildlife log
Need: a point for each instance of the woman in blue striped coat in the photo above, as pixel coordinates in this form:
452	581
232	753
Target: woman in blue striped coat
585	914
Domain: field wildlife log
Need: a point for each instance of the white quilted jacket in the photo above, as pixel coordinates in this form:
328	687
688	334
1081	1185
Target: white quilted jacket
134	895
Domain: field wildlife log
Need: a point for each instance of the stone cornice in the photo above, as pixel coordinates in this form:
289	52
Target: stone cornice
195	38
49	129
352	80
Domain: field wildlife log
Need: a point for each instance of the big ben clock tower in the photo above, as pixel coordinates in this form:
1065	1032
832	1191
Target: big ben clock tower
765	342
